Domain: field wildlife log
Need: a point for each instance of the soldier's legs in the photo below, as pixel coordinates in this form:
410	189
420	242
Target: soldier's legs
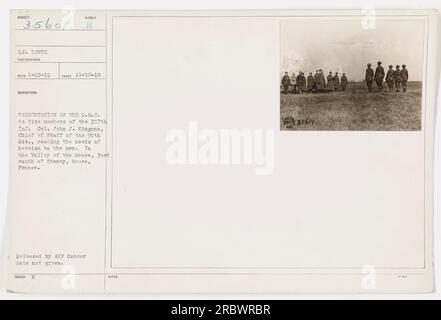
404	86
369	85
285	89
390	86
379	84
397	86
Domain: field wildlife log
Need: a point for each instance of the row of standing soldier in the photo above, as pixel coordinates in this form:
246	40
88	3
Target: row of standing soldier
394	78
316	83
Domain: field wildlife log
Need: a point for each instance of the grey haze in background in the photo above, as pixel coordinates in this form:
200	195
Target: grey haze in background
344	46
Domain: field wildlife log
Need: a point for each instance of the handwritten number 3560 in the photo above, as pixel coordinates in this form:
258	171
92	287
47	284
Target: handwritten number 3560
43	24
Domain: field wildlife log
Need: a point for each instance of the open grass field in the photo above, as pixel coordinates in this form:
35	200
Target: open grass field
353	109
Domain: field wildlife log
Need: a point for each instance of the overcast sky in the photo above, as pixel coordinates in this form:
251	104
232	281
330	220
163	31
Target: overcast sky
344	46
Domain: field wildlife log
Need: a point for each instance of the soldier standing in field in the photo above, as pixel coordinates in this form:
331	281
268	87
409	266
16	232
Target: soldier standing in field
398	78
336	81
310	82
390	78
369	77
322	79
344	82
301	82
318	81
405	76
379	76
293	83
286	81
330	79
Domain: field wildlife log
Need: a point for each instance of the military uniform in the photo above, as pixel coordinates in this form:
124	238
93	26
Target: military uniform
336	82
286	81
330	85
398	78
379	77
319	81
390	78
293	83
310	83
369	78
344	82
301	82
316	81
405	76
322	79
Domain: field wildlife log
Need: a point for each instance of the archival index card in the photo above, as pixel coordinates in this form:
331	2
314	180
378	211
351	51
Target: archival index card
222	151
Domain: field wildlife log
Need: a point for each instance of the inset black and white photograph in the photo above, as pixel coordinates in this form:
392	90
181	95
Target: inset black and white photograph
352	74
